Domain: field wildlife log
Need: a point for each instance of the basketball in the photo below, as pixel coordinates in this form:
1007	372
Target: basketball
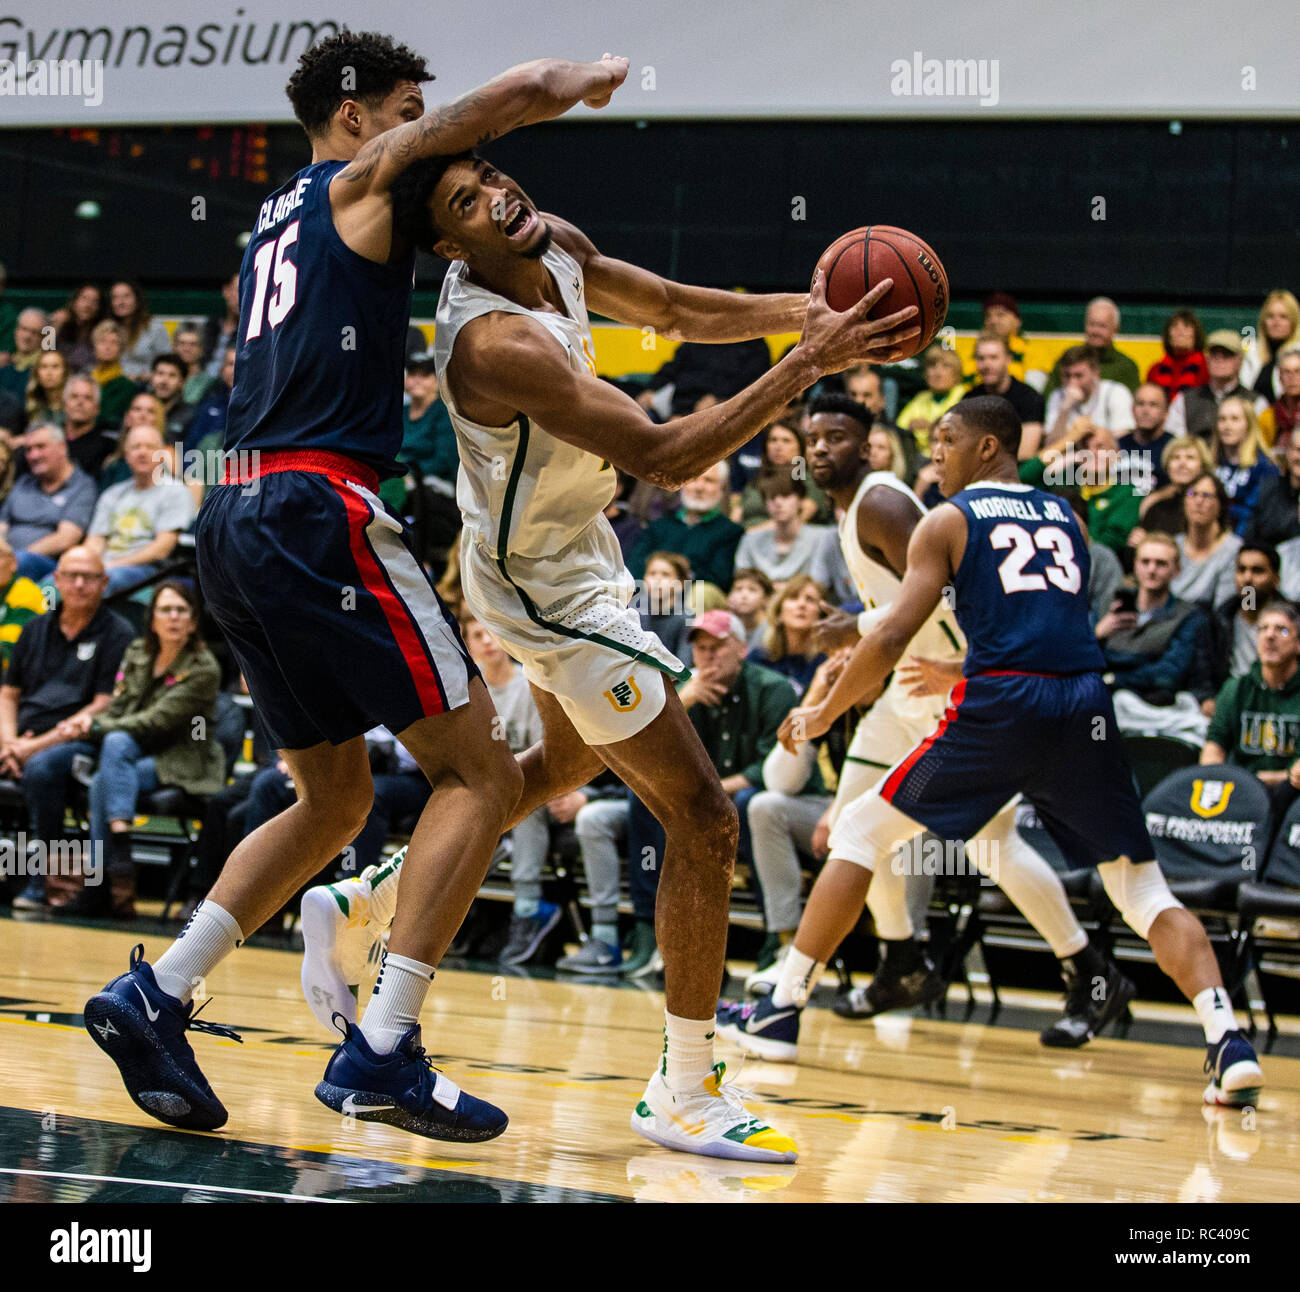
857	261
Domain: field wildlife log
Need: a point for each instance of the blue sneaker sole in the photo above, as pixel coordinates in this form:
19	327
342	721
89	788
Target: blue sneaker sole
353	1103
154	1080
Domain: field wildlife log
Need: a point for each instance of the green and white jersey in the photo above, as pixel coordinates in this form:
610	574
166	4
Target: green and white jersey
521	491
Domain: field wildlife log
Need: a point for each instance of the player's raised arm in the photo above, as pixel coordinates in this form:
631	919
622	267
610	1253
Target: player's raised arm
513	365
521	96
676	311
932	555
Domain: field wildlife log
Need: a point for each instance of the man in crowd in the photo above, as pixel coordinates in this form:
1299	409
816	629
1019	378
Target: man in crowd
1277	423
1276	517
85	431
993	364
1100	326
1141	450
1257	715
1195	411
167	382
49	509
1085	396
788	546
64	665
27	349
188	342
1234	626
1002	317
698	529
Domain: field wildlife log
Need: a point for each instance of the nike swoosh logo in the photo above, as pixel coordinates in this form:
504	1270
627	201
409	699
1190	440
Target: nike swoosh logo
776	1018
351	1106
153	1013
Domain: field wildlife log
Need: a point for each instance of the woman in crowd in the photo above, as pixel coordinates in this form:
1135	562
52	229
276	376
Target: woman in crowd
943	389
885	452
146	337
1278	330
788	646
751	590
1162	509
1207	550
1182	366
1240	458
663	605
1277	422
74	324
45	388
150	737
784	446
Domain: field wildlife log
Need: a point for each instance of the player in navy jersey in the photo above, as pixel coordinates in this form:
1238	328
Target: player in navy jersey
317	588
1030	715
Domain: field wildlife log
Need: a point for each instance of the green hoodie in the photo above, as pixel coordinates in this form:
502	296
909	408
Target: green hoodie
1258	726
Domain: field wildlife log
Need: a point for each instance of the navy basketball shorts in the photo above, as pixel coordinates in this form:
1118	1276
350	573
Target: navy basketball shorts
1054	739
331	617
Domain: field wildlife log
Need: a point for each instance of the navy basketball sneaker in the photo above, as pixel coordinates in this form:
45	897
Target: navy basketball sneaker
142	1029
403	1089
761	1029
1235	1075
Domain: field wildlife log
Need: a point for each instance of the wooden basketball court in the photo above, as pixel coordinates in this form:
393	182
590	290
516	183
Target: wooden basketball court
906	1108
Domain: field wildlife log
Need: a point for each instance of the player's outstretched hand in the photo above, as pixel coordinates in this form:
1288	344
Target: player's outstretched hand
612	71
802	724
836	341
922	676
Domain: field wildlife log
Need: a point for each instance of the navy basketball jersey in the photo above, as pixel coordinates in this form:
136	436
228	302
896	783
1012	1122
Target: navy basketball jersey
1021	592
322	334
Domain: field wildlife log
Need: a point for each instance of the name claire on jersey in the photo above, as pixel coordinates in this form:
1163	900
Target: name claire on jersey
1015	509
288	202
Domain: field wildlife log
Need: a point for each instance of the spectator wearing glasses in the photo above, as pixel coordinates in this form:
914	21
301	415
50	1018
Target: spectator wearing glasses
1207	550
1241	461
1163	509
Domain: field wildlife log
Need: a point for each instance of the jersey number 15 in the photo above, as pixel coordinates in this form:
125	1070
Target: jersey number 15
1063	572
271	262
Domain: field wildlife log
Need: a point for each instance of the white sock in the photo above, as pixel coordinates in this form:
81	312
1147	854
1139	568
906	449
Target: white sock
383	890
688	1051
210	936
799	975
1214	1009
396	1002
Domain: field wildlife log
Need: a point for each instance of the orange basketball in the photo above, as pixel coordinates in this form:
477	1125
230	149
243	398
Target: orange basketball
857	261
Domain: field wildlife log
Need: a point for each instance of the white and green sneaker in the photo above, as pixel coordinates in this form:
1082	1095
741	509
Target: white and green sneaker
343	926
711	1120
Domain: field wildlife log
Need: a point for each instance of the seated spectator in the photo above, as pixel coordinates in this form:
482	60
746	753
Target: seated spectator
1094	465
49	509
187	344
698	529
86	433
1142	449
1101	321
1276	517
1207	549
154	732
943	381
1195	411
45	383
1155	653
993	364
1105	574
1257	714
75	322
751	590
221	331
1234	625
698	370
663	606
207	428
145	336
786	547
789	643
146	412
116	389
1086	399
864	385
1182	366
1163	510
428	440
136	523
885	451
20	602
16	374
1278	330
784	449
167	377
1002	318
64	665
1241	461
1277	422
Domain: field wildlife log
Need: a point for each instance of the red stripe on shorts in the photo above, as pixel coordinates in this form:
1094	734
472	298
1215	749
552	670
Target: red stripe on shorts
950	715
405	632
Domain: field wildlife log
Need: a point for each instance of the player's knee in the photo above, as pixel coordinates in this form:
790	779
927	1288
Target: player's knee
1138	891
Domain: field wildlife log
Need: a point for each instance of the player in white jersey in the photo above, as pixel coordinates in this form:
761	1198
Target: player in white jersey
538	432
880	513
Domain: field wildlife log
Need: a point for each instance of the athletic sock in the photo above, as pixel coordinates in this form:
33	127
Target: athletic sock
903	956
1214	1009
799	975
210	936
606	933
688	1051
396	1002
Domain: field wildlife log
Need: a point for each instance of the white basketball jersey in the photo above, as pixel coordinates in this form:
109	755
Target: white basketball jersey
520	490
939	637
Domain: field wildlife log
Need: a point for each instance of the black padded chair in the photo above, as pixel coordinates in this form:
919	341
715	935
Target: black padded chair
1153	758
